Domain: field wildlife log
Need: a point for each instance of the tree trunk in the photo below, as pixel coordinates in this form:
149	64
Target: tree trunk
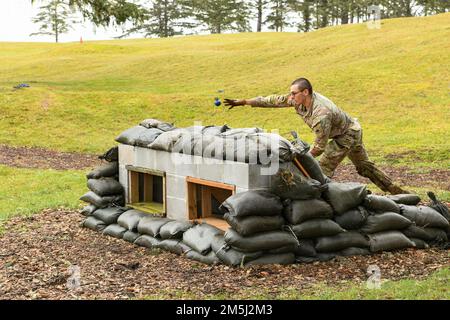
260	16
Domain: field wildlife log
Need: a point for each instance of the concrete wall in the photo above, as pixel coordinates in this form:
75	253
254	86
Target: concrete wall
178	166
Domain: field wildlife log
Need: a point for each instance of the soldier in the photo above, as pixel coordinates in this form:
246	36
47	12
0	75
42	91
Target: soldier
328	122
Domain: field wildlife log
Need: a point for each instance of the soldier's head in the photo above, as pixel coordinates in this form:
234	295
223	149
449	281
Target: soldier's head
301	90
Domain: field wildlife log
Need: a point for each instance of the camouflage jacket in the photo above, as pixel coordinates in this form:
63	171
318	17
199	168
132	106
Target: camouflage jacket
324	118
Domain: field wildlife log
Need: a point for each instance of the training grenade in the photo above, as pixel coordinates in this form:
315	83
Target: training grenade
217	102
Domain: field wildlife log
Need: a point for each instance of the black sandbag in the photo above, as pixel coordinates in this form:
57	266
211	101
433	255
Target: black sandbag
296	212
108	215
290	183
165	126
424	216
408	199
305	248
102	202
240	132
228	255
320	257
345	196
246	226
147	241
200	237
151	225
380	204
147	137
308	162
436	234
150	123
209	259
130	219
174	246
273	146
94	224
419	243
273	259
252	203
350	252
88	210
105	186
316	228
129	136
112	155
115	231
130	236
109	169
175	229
439	206
353	219
286	249
341	241
385	222
167	140
215	130
389	240
417	232
261	241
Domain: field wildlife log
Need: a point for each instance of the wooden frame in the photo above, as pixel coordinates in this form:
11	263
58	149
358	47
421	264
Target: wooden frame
220	191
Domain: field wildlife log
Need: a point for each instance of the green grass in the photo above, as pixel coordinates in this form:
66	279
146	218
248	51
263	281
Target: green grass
395	80
27	191
434	287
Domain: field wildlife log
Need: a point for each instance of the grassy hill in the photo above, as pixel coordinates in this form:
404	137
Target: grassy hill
395	80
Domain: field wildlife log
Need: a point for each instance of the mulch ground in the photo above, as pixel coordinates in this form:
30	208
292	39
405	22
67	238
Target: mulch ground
36	254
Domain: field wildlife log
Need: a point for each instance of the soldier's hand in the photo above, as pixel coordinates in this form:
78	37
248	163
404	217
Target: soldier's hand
233	103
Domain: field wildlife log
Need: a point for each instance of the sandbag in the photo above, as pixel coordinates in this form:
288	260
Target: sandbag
150	225
174	229
147	137
436	234
150	123
88	210
408	199
287	249
107	170
322	257
424	216
345	196
341	241
385	222
209	259
130	219
389	240
200	237
108	215
94	224
165	126
252	203
167	140
353	219
230	256
261	241
290	183
240	132
246	226
105	187
350	252
174	246
316	228
417	232
305	248
439	206
273	259
102	202
419	243
112	155
129	136
115	231
215	130
147	241
130	236
296	212
380	204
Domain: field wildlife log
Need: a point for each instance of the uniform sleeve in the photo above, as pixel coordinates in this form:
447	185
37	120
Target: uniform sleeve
322	129
273	101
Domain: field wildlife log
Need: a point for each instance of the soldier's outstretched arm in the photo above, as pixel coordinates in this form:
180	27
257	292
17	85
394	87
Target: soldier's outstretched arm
273	101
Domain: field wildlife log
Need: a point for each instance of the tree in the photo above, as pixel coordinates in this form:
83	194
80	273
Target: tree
107	12
165	18
277	19
221	15
55	19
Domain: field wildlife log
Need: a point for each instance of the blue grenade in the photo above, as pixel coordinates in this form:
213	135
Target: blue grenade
217	102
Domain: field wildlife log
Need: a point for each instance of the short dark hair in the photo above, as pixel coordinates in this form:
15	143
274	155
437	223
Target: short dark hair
303	84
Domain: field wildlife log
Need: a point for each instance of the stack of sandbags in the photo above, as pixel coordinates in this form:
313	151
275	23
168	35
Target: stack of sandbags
145	133
200	238
256	235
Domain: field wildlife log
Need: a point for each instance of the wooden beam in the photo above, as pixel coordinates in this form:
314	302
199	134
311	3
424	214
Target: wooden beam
148	188
192	200
211	183
133	186
206	201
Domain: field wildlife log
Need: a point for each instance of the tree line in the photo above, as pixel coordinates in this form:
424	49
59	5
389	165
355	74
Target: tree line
167	18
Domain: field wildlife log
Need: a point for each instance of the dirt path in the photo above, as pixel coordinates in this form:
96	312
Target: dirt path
36	253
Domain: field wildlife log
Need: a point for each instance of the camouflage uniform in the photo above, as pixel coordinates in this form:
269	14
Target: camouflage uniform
329	122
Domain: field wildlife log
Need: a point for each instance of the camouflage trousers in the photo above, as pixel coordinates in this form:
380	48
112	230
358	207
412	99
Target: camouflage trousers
351	145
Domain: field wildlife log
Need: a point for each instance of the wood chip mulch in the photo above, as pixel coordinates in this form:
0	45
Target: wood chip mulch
37	255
